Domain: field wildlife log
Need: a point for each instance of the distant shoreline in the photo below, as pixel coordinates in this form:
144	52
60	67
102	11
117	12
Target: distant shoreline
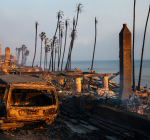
91	60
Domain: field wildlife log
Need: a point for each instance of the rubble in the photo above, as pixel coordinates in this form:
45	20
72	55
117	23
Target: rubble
105	92
88	99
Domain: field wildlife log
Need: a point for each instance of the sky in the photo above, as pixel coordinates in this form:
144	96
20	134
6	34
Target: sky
17	26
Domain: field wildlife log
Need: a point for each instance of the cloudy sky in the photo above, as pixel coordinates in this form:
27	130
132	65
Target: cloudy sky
17	25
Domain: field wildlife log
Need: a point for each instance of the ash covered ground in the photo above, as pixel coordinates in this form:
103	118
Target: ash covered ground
74	122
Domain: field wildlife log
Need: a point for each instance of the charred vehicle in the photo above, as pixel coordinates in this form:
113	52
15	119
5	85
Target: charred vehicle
26	99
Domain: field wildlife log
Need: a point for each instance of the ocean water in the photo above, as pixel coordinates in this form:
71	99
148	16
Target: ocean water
109	66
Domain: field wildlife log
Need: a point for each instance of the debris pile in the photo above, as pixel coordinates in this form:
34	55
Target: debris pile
102	92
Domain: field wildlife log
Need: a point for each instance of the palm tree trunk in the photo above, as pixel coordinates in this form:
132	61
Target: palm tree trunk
94	44
41	53
70	64
54	42
74	29
22	57
50	60
71	46
143	51
133	45
58	49
64	48
69	53
45	56
52	48
69	67
54	59
46	59
35	44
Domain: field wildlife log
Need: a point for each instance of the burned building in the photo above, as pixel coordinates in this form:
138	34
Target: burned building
7	61
8	58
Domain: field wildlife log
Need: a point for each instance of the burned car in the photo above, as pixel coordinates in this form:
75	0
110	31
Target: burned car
26	99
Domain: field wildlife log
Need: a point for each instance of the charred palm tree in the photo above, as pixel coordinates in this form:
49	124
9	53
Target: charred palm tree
26	54
52	49
94	43
133	45
61	36
18	53
51	45
143	51
23	49
55	46
56	51
42	36
36	24
55	56
79	10
73	35
47	49
59	16
58	48
46	39
60	45
66	24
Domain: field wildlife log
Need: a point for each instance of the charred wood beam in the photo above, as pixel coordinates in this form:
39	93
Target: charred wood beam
115	75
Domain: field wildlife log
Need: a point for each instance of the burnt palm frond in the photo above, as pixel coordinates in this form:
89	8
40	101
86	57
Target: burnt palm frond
27	52
79	9
59	16
42	35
